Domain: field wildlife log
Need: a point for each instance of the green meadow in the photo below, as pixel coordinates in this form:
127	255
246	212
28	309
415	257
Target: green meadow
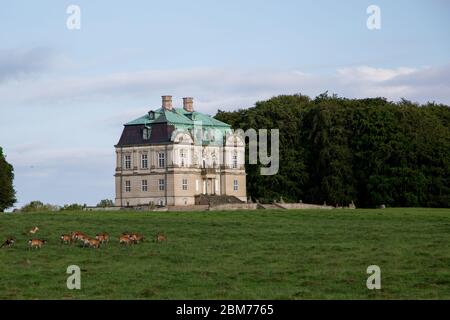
262	254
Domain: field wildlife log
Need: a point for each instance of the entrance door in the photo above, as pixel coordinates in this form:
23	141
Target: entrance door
208	186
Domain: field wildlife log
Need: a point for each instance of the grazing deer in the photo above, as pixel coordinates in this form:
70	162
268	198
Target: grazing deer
33	230
160	237
9	242
66	238
136	237
92	243
102	237
125	239
84	239
78	235
36	243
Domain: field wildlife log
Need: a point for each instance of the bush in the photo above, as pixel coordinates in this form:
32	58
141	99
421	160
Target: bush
105	203
36	206
73	207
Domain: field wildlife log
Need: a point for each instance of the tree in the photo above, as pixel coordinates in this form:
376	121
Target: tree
7	192
105	203
336	150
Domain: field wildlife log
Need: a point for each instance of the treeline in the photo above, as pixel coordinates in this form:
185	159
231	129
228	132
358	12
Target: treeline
39	206
338	150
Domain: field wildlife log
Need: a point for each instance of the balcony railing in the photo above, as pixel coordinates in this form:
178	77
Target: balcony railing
208	171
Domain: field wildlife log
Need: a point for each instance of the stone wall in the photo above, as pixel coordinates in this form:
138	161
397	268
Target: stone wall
303	206
234	206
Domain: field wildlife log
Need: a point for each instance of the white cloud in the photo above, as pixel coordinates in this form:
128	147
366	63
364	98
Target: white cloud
215	88
369	74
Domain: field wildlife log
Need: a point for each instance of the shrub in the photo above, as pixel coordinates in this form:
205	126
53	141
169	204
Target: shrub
73	207
105	203
35	206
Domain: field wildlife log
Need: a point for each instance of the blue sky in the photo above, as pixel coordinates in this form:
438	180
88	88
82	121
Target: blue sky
64	94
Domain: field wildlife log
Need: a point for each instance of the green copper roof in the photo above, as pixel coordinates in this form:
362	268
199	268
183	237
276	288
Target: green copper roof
178	117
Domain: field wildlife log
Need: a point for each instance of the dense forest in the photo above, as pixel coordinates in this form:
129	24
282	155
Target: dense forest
338	150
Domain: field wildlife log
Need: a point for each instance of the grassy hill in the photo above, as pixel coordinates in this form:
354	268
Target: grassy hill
233	255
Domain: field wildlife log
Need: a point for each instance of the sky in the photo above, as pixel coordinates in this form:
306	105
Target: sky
66	93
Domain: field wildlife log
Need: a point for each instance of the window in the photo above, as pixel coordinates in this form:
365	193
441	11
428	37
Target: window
184	184
162	184
144	161
144	185
127	161
235	161
183	156
235	185
146	133
127	186
162	160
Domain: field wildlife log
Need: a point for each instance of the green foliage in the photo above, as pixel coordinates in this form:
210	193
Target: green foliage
73	207
336	150
38	206
105	203
7	192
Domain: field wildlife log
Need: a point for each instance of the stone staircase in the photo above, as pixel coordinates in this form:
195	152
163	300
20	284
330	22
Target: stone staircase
214	200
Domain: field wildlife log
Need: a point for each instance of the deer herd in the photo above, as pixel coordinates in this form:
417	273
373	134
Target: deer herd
126	239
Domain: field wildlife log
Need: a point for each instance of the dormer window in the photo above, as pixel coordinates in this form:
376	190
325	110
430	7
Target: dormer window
151	115
146	132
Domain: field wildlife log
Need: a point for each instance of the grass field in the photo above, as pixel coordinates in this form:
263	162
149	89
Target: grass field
305	254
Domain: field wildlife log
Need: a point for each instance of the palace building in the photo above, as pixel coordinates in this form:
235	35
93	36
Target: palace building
173	156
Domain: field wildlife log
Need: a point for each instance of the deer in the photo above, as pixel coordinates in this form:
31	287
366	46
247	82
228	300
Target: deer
36	243
92	243
9	242
33	230
160	237
136	237
125	239
80	236
102	237
66	238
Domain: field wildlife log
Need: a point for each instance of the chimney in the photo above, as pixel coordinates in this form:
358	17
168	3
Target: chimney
167	102
188	104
